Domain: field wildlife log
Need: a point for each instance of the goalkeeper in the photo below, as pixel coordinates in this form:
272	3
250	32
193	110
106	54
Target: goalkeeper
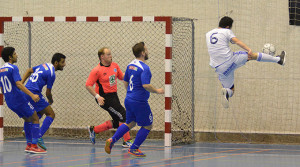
225	62
105	75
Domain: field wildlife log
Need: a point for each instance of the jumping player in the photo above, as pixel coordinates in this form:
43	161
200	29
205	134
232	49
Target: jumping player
41	75
137	82
105	75
13	90
226	62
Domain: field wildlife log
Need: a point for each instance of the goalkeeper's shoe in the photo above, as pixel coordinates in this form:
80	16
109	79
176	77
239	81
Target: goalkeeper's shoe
92	134
108	145
225	96
127	144
41	143
282	58
136	152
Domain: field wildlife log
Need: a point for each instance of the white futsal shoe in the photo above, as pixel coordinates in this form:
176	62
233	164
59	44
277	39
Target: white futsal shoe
225	101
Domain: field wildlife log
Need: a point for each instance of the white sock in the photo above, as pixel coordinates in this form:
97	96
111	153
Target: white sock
230	92
267	58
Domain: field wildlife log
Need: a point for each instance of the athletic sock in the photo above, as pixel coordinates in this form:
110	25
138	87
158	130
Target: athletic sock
140	138
36	132
267	58
46	124
103	127
126	136
120	132
230	92
27	129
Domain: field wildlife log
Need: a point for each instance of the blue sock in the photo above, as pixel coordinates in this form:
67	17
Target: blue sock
140	138
120	132
27	129
35	130
46	124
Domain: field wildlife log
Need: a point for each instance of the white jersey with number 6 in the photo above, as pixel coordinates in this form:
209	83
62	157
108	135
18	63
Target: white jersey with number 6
217	41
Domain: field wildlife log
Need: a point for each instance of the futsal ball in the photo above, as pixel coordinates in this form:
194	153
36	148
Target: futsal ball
269	49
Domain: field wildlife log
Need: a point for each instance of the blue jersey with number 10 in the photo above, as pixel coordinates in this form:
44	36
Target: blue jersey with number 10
137	74
43	74
9	75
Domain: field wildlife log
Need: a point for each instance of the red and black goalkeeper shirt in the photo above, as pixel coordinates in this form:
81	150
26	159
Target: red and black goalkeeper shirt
105	77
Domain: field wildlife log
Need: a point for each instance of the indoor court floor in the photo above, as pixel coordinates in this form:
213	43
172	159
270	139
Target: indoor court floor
74	153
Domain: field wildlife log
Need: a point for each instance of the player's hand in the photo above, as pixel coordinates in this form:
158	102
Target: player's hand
101	101
160	91
35	98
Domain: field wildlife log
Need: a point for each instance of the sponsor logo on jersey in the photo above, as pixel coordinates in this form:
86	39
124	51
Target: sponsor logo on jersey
4	69
133	68
115	70
45	66
112	80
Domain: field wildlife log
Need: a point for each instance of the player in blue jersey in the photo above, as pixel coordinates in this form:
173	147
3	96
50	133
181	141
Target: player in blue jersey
41	75
137	82
14	93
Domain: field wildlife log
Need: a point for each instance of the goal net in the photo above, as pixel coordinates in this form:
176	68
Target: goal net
80	40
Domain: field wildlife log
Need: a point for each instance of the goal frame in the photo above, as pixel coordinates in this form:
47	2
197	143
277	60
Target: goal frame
168	53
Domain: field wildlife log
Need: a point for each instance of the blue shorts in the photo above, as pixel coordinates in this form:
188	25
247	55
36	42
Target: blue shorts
226	70
23	110
41	104
138	112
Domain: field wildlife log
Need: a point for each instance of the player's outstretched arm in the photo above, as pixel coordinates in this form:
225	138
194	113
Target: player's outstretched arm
241	44
152	89
99	98
125	84
34	97
49	96
26	75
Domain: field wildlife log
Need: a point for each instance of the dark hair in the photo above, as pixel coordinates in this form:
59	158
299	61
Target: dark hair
226	21
138	48
6	52
57	57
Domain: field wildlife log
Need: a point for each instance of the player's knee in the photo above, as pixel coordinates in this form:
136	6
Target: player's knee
148	127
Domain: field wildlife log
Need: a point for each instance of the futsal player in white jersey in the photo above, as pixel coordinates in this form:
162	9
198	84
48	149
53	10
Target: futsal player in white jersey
226	61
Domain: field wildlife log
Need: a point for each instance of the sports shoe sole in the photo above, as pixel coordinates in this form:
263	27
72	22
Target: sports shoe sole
225	102
89	129
284	58
107	146
136	154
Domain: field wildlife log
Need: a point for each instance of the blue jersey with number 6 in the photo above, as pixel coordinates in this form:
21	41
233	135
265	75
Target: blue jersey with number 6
137	74
43	74
9	75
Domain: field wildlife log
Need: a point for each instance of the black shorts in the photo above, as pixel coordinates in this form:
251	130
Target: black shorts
113	106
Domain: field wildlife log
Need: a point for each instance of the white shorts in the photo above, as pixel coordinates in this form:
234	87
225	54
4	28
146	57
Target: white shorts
226	69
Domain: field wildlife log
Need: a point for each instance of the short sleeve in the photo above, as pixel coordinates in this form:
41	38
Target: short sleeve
16	74
119	73
146	76
50	80
92	78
